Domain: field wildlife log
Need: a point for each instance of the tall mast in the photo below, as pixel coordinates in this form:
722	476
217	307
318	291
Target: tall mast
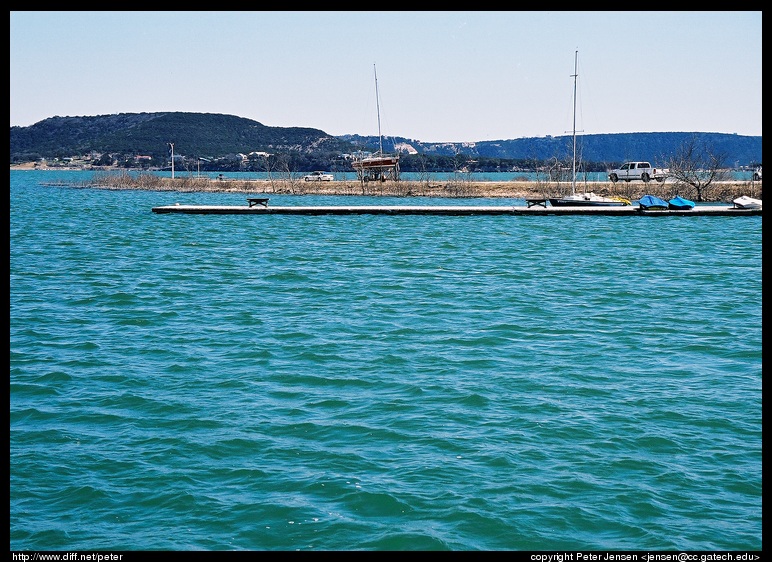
378	108
574	75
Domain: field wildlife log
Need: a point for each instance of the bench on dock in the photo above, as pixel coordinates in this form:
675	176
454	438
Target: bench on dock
257	201
532	202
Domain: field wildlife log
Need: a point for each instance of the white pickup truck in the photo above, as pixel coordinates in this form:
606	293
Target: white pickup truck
637	171
318	176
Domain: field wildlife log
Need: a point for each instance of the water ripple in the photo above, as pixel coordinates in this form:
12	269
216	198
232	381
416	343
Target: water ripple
380	383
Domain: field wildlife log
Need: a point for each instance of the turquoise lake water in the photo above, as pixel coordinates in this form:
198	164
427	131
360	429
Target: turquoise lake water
189	382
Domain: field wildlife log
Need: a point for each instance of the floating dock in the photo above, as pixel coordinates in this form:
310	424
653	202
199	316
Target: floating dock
452	210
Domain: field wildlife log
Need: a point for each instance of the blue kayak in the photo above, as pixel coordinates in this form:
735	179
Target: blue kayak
652	202
678	203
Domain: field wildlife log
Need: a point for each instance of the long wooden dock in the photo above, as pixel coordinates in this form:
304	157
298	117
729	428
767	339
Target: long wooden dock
452	210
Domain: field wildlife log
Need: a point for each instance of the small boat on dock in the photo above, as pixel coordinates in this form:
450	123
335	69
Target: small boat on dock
678	203
588	199
746	202
652	203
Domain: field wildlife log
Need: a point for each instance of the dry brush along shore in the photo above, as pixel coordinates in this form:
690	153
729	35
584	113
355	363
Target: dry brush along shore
515	189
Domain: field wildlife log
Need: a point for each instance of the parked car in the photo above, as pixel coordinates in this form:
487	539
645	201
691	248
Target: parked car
318	176
757	174
638	171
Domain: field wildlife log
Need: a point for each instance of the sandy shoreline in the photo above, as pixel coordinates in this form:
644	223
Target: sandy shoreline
514	189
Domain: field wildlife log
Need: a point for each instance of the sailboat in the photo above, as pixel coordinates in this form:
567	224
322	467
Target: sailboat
586	199
378	166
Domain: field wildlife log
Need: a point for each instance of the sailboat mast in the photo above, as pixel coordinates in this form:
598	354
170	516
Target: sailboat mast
575	74
378	108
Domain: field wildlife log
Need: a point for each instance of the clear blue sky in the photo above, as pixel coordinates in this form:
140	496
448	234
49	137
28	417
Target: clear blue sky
442	76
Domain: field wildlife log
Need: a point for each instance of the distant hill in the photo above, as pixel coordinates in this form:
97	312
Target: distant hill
604	148
194	134
215	136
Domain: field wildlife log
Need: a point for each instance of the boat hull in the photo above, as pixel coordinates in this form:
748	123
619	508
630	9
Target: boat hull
746	202
375	163
652	202
678	203
585	203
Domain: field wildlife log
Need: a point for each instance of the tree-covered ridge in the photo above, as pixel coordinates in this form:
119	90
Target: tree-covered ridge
607	148
196	134
122	137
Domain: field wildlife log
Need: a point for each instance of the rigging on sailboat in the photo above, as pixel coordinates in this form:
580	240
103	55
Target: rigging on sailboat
378	166
586	198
